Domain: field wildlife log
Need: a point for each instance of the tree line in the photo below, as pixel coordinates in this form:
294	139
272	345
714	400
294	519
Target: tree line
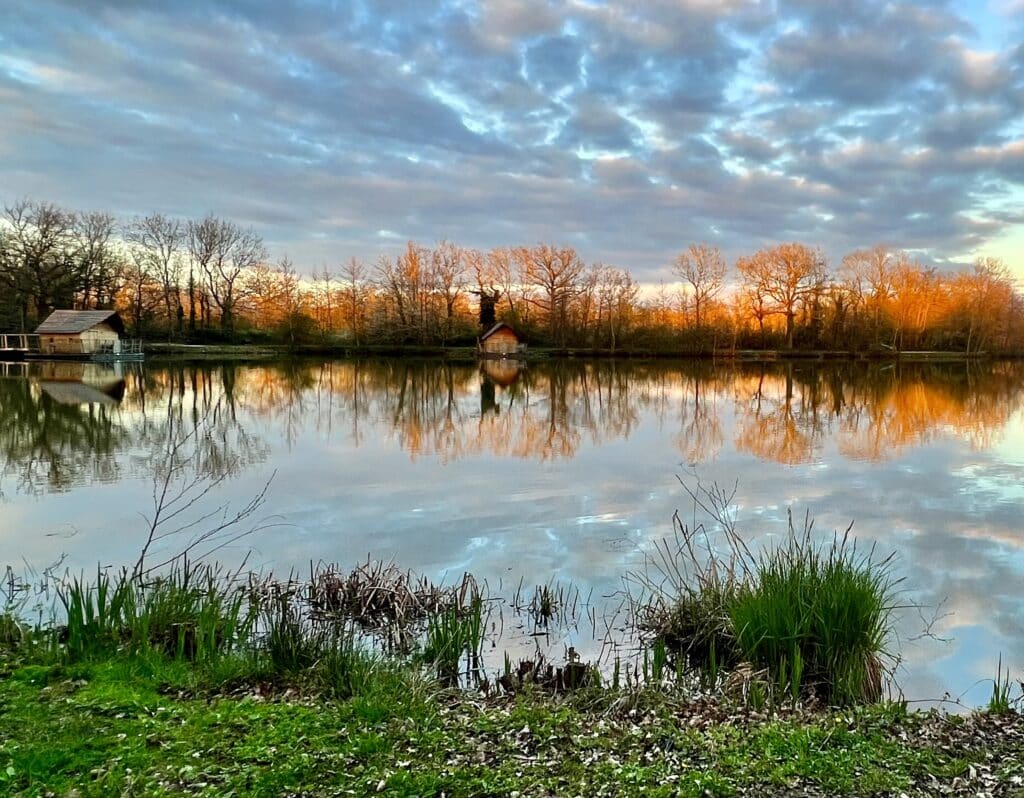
212	279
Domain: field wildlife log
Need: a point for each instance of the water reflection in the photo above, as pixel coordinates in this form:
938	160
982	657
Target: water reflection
60	426
62	423
65	424
550	470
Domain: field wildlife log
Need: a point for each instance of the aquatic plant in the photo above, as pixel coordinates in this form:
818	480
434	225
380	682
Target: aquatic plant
191	612
815	617
188	612
452	633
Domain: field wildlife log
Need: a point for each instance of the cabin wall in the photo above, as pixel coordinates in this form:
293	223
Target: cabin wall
503	342
98	338
60	344
95	339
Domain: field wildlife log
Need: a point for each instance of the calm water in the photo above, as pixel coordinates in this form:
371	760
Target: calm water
564	471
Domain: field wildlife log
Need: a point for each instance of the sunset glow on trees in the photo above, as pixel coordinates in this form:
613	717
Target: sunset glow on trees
190	279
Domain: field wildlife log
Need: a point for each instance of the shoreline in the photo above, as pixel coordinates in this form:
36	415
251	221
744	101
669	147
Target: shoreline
164	351
169	689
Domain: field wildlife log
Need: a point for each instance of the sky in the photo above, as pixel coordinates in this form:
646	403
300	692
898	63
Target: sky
624	129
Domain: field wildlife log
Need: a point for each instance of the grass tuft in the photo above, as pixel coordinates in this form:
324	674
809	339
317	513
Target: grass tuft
810	619
191	613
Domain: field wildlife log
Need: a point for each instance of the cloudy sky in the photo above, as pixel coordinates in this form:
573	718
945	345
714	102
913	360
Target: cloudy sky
625	129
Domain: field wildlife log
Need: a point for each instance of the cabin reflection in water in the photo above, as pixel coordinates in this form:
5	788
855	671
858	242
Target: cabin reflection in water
75	383
781	412
502	372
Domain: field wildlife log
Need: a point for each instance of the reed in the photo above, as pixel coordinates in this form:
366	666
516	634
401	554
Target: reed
451	633
817	618
291	643
814	618
345	669
97	614
190	613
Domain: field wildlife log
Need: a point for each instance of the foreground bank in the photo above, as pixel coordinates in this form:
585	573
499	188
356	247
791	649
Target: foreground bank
148	726
193	681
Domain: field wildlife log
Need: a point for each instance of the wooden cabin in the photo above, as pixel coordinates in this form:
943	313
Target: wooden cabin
80	332
499	341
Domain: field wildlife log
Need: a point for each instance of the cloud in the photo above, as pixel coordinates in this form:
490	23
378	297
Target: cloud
481	122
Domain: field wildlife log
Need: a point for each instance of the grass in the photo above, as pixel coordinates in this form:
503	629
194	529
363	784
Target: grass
451	634
806	620
149	725
198	683
817	618
1002	700
189	612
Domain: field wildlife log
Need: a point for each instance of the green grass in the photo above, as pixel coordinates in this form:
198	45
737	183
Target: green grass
803	619
452	634
817	618
192	684
135	725
193	613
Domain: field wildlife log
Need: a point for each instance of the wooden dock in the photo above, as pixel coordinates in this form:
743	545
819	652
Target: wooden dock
18	346
25	346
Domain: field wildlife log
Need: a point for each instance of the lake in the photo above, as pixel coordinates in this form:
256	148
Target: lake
565	472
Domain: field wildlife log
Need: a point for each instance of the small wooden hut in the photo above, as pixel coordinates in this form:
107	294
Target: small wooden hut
500	341
80	332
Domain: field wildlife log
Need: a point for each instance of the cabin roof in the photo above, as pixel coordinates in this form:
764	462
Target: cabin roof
76	393
70	322
500	325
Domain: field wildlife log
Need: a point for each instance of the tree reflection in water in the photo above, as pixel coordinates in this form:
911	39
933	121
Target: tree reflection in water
58	432
781	412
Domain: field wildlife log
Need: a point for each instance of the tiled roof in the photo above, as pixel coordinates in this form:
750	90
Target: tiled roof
495	328
76	321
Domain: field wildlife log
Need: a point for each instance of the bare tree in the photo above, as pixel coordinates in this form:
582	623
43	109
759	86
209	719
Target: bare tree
99	266
867	276
224	251
355	293
556	271
158	240
616	298
449	270
41	242
406	285
788	275
142	287
703	268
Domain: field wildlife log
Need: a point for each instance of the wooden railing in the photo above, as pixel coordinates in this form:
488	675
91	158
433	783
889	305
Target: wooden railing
19	342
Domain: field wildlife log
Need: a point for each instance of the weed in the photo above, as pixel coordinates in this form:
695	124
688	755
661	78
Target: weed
192	613
12	631
292	644
815	617
1001	701
96	615
451	633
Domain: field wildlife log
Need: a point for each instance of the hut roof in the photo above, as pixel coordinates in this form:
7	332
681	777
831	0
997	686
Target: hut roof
500	325
70	322
78	393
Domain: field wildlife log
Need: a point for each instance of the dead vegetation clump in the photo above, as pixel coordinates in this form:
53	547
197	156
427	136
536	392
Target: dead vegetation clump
378	594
